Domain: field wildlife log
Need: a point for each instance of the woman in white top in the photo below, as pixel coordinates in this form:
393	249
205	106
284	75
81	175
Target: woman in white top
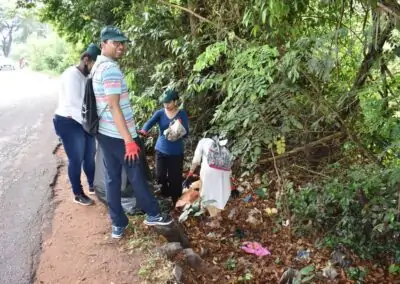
79	146
215	184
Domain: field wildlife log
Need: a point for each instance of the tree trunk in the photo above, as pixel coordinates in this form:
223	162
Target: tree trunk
375	49
8	43
4	46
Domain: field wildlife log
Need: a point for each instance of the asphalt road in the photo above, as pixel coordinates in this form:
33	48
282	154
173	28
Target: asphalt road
27	167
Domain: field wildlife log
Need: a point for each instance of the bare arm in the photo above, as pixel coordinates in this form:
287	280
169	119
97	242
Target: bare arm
193	168
198	153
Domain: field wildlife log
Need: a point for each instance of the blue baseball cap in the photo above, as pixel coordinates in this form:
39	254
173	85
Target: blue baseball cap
93	51
112	33
169	96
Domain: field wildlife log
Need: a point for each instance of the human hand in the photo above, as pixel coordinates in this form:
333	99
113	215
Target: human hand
143	133
131	152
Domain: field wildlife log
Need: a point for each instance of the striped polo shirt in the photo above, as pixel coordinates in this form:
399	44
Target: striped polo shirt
108	80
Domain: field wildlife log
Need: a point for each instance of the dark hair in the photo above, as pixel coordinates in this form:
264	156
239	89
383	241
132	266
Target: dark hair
88	55
211	134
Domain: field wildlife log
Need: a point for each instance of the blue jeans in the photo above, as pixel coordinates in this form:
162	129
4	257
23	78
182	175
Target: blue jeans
114	151
80	148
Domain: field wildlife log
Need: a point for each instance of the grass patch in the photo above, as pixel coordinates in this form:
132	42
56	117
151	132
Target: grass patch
155	268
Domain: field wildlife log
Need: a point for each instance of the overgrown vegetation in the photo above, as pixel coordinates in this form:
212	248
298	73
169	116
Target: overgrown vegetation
364	197
49	53
313	83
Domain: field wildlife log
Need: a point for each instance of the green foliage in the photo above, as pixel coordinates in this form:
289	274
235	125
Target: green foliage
51	54
394	269
230	264
248	276
357	273
273	76
358	208
81	21
197	208
305	275
10	22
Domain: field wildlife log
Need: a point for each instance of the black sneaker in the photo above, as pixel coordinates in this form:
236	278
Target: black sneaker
83	199
91	191
160	220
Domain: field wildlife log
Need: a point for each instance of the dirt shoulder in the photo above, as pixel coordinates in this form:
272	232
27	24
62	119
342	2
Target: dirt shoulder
79	248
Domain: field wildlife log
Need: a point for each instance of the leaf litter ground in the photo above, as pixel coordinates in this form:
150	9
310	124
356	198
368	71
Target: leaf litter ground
219	241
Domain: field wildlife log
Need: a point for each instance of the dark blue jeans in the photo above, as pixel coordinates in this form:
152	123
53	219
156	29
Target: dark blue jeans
114	152
80	148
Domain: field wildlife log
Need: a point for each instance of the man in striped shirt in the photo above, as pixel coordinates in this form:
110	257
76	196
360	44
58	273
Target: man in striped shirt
117	133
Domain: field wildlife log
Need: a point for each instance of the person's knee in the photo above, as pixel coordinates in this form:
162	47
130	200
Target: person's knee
90	149
75	159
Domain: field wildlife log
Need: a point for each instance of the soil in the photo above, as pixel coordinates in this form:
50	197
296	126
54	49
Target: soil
79	247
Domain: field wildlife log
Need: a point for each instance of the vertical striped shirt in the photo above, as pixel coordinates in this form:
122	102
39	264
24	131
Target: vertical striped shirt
108	80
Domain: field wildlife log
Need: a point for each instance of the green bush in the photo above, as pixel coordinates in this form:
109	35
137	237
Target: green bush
357	208
51	54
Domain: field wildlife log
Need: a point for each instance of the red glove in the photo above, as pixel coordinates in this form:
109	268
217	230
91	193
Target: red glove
131	152
143	133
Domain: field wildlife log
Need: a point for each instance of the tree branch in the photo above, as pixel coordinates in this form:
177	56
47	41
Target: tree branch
388	10
370	58
201	18
341	121
302	148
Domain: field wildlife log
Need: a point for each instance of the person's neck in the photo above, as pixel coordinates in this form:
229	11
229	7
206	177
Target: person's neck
81	68
108	56
175	109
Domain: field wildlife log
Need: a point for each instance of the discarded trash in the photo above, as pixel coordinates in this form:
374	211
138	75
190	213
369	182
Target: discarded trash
246	184
257	179
271	211
303	255
247	198
255	248
232	214
240	188
329	271
253	218
286	223
339	257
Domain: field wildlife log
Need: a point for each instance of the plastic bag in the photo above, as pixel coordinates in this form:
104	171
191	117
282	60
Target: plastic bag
128	199
175	131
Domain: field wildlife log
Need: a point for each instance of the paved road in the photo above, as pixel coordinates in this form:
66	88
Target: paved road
27	167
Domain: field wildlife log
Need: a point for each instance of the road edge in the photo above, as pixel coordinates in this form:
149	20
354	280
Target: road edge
46	211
